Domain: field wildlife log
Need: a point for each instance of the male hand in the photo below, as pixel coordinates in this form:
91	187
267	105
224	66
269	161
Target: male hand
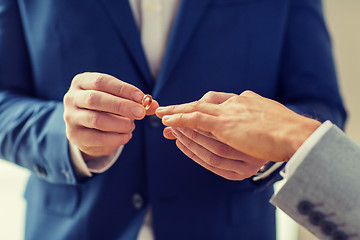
99	113
206	150
255	126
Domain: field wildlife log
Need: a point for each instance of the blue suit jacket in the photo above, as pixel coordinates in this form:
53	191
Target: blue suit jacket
279	49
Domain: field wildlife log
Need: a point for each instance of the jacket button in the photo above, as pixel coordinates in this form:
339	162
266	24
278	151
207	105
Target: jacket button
328	227
40	171
316	218
339	235
154	121
137	201
305	207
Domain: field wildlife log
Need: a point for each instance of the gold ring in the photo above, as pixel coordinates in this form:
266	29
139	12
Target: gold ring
146	101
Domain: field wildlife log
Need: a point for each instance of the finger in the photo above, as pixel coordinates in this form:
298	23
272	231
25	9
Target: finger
197	106
215	146
207	134
103	121
154	105
230	175
209	157
109	84
86	137
104	102
249	93
217	97
195	120
168	133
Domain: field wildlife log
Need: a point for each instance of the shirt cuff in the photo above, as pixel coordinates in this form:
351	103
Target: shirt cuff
96	165
304	150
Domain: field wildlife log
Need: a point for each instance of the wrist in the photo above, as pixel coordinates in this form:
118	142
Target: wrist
300	130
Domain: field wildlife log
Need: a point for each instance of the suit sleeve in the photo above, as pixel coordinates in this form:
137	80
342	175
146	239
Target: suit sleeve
323	193
32	130
308	82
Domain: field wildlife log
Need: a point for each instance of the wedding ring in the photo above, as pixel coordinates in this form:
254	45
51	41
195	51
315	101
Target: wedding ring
146	101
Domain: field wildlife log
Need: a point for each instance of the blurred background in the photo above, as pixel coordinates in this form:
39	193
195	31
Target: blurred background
343	18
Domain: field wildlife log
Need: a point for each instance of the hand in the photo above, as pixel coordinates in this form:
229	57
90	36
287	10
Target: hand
254	125
206	150
99	113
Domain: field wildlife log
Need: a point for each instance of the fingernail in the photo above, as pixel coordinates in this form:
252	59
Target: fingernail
138	111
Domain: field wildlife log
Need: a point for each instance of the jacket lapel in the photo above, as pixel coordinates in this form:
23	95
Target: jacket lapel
121	16
189	14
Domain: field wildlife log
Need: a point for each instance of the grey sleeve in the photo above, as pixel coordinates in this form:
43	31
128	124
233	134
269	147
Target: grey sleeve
323	195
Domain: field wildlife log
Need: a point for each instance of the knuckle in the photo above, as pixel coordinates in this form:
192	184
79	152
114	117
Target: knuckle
181	117
119	107
67	99
95	120
196	116
214	160
210	95
247	93
222	150
194	136
91	98
172	108
120	90
77	78
99	81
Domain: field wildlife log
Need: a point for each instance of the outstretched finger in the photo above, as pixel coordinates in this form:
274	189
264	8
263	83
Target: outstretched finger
197	106
195	120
